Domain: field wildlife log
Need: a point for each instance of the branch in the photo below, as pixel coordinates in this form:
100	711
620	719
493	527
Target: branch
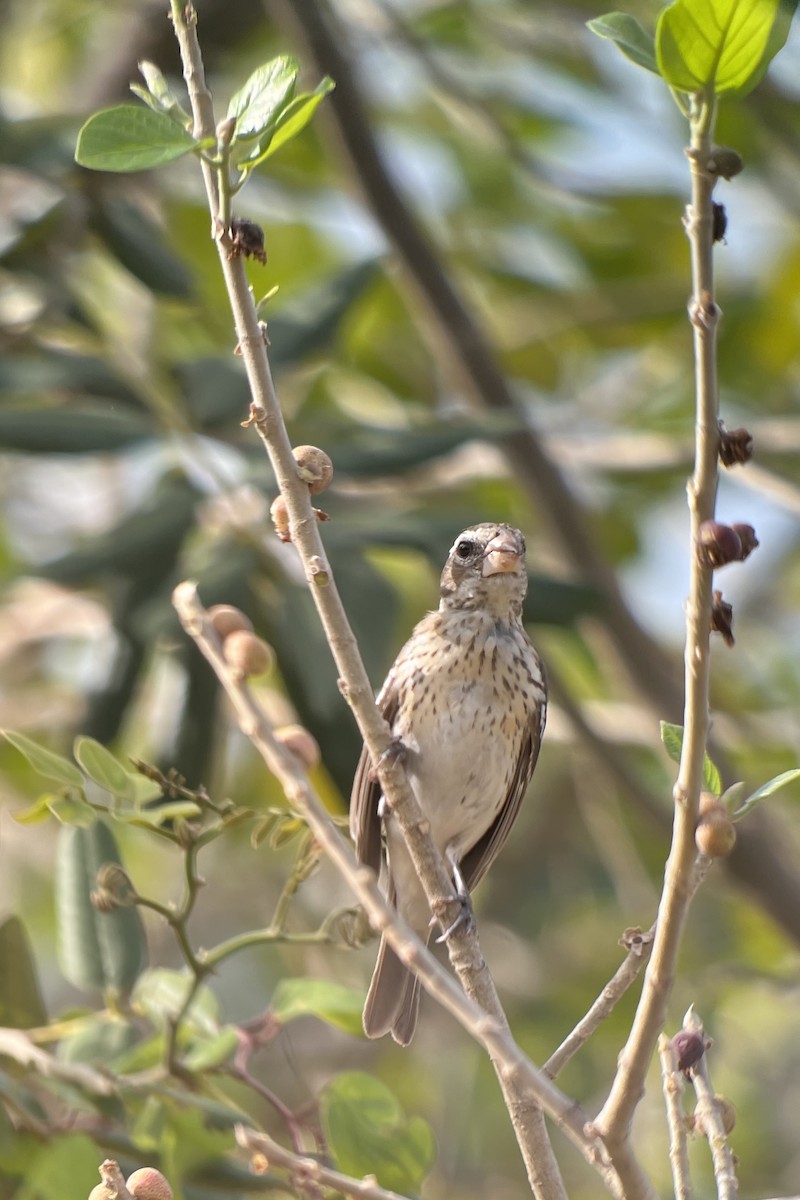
615	1120
709	1119
672	1086
521	1082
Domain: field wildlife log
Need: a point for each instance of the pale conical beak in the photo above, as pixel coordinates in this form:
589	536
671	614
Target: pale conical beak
501	557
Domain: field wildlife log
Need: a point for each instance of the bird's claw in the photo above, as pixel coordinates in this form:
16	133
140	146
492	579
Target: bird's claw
465	918
394	752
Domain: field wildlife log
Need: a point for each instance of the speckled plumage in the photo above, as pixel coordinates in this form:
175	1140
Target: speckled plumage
467	698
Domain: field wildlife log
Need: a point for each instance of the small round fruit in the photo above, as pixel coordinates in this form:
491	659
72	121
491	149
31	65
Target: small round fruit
301	743
280	518
725	162
227	620
247	654
148	1184
717	544
314	467
715	835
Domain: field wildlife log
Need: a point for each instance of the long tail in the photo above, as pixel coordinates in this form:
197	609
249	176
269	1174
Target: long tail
392	1003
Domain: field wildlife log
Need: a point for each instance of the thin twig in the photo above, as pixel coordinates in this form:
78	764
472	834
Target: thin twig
672	1086
708	1119
308	1172
604	1005
522	1081
615	1120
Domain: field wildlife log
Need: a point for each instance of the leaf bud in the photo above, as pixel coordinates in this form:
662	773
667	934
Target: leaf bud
148	1184
724	162
717	544
715	835
280	518
688	1047
314	467
247	654
735	446
226	620
301	743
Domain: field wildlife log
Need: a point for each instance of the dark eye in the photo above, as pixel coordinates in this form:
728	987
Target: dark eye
465	548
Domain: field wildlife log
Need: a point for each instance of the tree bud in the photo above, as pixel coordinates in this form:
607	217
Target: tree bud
148	1184
715	835
717	544
301	743
689	1047
314	467
280	518
725	162
247	654
226	620
747	537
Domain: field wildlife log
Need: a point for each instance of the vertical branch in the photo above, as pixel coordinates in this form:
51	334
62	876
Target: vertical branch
672	1086
615	1120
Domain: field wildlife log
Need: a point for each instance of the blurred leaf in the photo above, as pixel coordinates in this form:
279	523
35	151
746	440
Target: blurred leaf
63	371
289	123
101	766
332	1002
213	1051
267	90
308	325
715	45
628	35
160	994
766	789
153	818
21	1003
35	813
369	1134
130	138
139	244
46	762
555	602
71	1158
97	951
672	737
73	430
70	808
100	1040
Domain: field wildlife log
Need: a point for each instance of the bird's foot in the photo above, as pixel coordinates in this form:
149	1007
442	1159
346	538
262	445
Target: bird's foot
465	918
394	752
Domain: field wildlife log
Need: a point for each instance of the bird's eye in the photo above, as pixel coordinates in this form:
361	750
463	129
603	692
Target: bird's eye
465	548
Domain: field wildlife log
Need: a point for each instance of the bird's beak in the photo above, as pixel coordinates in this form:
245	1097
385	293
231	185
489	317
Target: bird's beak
501	556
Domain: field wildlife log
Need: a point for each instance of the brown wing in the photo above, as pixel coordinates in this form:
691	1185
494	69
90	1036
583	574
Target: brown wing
365	824
477	861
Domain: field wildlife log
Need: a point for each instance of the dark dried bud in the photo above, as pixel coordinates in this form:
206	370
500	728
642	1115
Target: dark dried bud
247	239
725	162
735	446
719	222
747	536
722	618
689	1048
717	544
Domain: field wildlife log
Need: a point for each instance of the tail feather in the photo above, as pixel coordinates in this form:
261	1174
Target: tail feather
392	1003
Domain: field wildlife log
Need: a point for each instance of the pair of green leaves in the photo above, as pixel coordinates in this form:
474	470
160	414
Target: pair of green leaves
266	113
672	737
708	47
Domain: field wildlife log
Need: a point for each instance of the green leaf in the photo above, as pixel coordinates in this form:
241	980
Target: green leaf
52	766
369	1134
70	808
716	46
160	994
332	1002
629	37
35	813
141	246
130	138
83	429
154	818
291	121
62	1165
212	1052
766	789
97	951
266	92
672	737
21	1003
101	1039
101	766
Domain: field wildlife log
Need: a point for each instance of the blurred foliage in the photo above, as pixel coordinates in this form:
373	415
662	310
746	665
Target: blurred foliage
550	174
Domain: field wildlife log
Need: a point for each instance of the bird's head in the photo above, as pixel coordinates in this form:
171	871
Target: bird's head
485	569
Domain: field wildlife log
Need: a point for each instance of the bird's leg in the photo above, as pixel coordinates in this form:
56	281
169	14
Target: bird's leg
465	916
394	752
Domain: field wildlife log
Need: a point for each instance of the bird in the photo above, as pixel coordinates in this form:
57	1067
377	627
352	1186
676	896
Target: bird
466	702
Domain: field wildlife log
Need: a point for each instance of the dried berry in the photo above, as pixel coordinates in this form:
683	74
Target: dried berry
246	654
747	536
717	544
280	518
148	1184
735	446
226	620
722	618
314	467
247	240
725	162
715	835
301	743
689	1047
719	222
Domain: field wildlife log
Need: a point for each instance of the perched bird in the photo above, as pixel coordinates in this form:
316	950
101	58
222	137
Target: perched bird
466	701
